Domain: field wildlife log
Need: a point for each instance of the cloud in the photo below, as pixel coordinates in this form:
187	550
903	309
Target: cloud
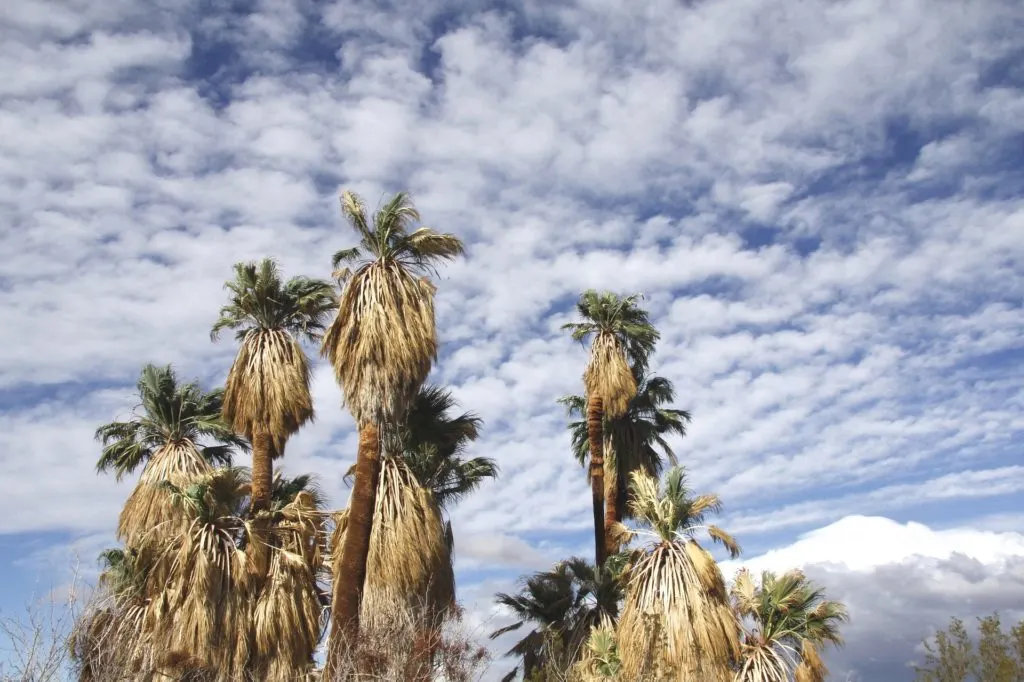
900	583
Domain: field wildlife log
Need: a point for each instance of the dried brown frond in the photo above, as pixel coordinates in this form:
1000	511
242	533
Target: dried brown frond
383	340
149	510
287	613
677	592
267	389
609	376
811	668
202	601
761	662
409	564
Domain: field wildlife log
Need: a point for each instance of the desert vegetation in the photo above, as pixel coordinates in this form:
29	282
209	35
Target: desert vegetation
228	572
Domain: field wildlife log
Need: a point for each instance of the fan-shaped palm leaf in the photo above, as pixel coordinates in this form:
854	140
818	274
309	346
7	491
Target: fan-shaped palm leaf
564	605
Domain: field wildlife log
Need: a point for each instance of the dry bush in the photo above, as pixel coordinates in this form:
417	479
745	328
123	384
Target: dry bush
405	649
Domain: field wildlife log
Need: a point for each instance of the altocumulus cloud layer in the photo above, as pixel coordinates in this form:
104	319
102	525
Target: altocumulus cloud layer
821	202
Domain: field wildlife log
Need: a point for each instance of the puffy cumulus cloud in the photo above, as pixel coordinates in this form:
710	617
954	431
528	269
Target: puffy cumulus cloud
901	582
819	203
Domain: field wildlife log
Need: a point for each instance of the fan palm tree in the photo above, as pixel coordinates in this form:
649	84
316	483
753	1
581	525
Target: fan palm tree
786	619
266	397
177	433
382	344
564	605
622	336
676	621
637	439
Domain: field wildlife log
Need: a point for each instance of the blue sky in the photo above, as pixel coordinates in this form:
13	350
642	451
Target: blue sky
820	201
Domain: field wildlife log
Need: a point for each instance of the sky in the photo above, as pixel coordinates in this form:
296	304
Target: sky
820	201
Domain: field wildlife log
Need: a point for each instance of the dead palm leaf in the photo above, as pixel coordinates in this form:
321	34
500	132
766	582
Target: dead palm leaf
676	617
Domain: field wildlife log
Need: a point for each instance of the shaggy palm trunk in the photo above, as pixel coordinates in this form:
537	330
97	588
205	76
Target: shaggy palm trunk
348	586
595	434
263	451
611	497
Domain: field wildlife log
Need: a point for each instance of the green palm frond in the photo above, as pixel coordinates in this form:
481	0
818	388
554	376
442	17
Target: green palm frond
786	618
618	316
391	239
562	605
434	442
168	413
261	300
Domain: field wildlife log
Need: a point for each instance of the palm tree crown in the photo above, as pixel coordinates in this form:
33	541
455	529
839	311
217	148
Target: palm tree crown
786	619
384	339
621	332
260	300
677	605
170	414
639	437
564	604
267	391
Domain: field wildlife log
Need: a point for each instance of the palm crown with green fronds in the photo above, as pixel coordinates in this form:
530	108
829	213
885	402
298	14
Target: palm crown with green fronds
389	239
563	604
639	436
383	341
168	414
786	619
435	443
261	300
606	313
677	604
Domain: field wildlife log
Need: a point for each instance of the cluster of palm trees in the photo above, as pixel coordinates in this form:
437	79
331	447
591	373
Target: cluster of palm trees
659	609
230	573
223	569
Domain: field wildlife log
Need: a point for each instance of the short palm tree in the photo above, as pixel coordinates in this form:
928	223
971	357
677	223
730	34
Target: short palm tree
676	620
786	619
637	439
382	345
110	640
178	434
622	335
564	605
266	397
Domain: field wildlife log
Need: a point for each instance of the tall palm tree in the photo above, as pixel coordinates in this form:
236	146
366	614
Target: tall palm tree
786	619
564	604
622	335
178	434
266	397
638	439
676	621
382	344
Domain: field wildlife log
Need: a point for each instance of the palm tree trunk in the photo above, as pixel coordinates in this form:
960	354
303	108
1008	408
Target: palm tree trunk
611	496
348	586
263	450
595	434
